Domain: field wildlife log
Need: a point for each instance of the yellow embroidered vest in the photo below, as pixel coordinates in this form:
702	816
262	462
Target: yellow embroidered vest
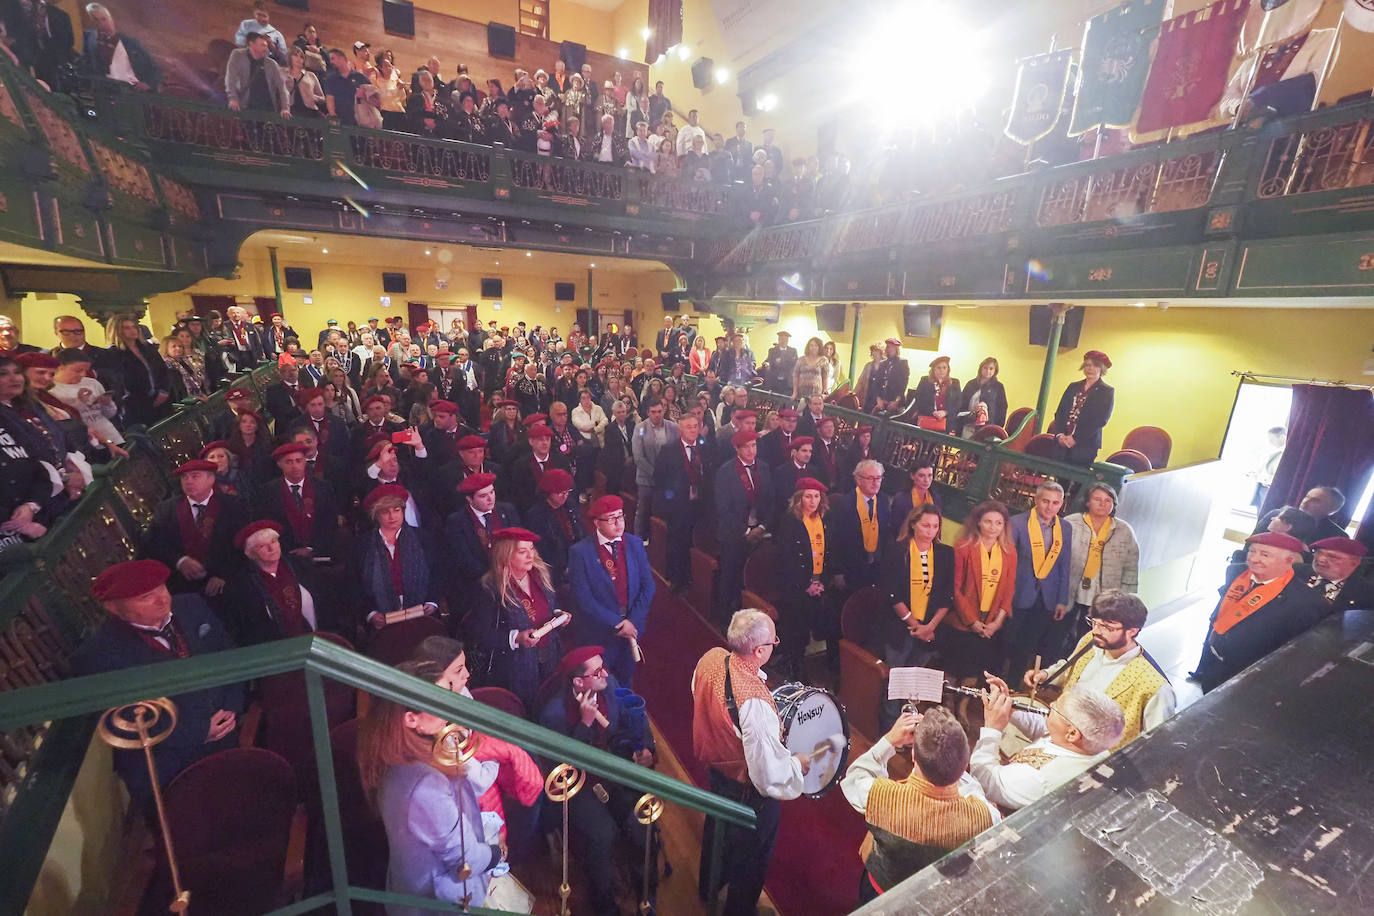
1131	689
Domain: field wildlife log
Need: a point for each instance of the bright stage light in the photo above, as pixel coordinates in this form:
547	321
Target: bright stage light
767	102
722	76
623	54
930	49
645	33
683	52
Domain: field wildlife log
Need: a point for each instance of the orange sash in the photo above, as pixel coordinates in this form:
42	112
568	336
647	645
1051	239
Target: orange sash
1237	603
922	578
815	529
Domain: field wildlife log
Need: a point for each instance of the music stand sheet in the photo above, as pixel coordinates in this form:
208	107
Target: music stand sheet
1257	799
916	684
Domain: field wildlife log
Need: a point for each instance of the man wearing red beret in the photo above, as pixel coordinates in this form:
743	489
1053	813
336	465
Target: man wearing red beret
280	398
237	400
468	535
307	509
470	457
331	435
558	522
775	446
744	502
147	624
442	433
1265	606
612	585
584	701
375	422
527	470
192	533
1334	574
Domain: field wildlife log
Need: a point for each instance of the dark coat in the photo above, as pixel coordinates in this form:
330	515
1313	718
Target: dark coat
672	486
163	540
494	663
794	554
896	581
627	733
902	505
617	447
781	361
1290	613
524	478
280	402
553	544
252	616
1357	592
468	561
859	569
925	400
994	395
772	450
335	443
732	503
115	646
324	538
417	572
145	67
142	382
889	381
1087	434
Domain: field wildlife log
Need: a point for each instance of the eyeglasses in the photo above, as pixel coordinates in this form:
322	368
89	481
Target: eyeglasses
1056	710
1106	626
871	477
71	330
599	672
614	517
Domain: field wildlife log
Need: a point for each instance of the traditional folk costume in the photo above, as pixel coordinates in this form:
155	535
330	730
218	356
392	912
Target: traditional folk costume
1135	681
1033	772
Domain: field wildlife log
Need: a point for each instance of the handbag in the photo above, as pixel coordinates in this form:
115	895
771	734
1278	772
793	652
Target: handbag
936	424
367	115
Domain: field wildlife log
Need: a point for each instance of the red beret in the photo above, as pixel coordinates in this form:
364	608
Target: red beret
470	442
799	441
939	359
1348	546
606	505
810	483
247	531
534	418
238	393
743	437
129	580
1097	356
290	448
305	395
787	413
507	402
893	342
744	415
474	482
249	413
384	491
515	534
443	407
445	355
36	360
377	448
859	431
375	438
539	431
1274	539
555	480
646	353
824	420
211	446
199	464
574	660
371	399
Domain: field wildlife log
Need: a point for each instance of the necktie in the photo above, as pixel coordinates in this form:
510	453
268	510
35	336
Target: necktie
296	493
870	508
689	454
197	510
486	522
749	469
166	632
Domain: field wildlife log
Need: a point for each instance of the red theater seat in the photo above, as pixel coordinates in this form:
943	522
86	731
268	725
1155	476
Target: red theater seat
1151	441
396	643
1042	446
863	674
1130	458
988	433
365	847
500	698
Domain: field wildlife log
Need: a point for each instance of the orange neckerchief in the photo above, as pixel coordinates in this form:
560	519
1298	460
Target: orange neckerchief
1237	603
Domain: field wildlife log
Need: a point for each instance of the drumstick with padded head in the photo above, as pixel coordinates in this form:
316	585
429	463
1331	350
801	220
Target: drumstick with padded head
832	745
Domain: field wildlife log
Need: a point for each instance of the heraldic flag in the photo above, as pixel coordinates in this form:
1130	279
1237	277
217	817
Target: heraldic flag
1116	57
1188	75
1042	84
1359	14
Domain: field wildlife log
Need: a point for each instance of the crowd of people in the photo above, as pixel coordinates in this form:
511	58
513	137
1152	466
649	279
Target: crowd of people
395	475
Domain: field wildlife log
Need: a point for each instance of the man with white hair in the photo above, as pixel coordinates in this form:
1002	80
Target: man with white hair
107	52
1266	605
1082	727
737	733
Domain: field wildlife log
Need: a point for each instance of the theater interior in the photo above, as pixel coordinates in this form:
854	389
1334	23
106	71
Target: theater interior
1217	242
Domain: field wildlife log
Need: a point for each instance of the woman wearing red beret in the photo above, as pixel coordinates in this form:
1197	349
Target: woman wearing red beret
1084	409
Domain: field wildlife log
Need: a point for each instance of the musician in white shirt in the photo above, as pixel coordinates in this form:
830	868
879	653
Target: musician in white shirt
1081	729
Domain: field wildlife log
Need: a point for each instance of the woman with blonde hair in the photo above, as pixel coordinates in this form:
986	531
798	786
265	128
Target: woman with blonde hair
516	599
806	569
701	356
147	386
345	406
984	580
430	809
182	374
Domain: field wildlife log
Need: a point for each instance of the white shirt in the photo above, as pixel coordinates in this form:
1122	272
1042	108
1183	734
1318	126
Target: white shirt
607	151
686	135
1015	785
591	425
94	415
120	67
307	603
1102	669
858	779
773	770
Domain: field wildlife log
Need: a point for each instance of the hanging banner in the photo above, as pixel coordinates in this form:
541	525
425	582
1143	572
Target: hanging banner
1116	57
1188	76
1286	18
1042	84
1359	14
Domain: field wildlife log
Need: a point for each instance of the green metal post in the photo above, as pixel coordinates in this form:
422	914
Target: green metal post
854	347
1051	351
276	280
717	857
329	792
592	327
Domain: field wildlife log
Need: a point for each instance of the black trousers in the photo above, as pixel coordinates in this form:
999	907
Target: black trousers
597	825
1034	631
682	522
745	858
734	552
867	892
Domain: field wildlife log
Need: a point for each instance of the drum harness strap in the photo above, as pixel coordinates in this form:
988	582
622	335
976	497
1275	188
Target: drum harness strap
744	793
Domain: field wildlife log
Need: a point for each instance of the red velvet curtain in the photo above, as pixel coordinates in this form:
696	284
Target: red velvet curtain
417	313
1330	442
665	21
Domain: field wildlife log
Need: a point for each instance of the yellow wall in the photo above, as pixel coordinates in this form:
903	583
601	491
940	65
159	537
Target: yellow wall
574	22
1172	367
38	316
504	11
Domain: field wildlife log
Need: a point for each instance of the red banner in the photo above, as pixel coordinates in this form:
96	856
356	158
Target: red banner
1189	71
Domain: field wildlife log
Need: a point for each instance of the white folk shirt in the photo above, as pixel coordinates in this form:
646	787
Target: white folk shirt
120	67
1015	785
1102	669
858	779
686	136
773	770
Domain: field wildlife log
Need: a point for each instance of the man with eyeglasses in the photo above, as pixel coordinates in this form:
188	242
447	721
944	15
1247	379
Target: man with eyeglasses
613	584
586	703
1080	730
1110	660
862	525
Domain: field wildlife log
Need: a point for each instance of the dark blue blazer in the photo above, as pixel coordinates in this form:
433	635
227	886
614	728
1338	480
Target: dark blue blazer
553	544
1054	587
251	614
593	592
629	726
417	573
467	560
858	568
115	646
494	663
671	483
902	506
324	527
145	68
162	541
732	504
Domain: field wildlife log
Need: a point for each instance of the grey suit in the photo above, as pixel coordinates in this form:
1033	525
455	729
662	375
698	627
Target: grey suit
238	72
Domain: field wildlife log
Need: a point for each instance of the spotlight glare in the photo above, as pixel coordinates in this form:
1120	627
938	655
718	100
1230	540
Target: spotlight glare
645	32
623	54
683	52
324	251
768	102
722	76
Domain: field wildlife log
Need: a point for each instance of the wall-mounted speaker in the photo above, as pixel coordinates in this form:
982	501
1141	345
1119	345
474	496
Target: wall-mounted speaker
298	278
393	283
573	54
702	75
501	40
564	292
830	318
672	300
491	287
398	18
922	321
1041	317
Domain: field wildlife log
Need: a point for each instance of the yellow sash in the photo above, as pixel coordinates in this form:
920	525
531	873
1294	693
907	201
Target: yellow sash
869	528
921	581
1099	540
815	527
919	499
1042	561
992	575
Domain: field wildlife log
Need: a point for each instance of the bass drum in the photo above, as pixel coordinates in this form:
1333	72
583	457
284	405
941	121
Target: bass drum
810	716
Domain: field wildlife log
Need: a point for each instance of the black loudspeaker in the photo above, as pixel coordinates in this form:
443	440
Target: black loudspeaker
398	18
830	318
1040	318
501	40
393	283
672	301
922	320
702	75
564	292
298	278
491	288
748	103
574	55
